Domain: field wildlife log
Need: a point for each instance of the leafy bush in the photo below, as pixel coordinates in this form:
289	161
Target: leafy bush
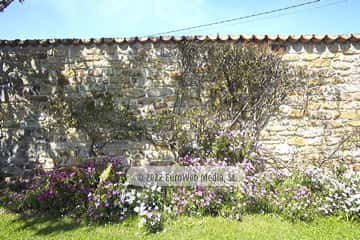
197	201
63	190
225	93
305	193
99	193
98	115
149	207
110	202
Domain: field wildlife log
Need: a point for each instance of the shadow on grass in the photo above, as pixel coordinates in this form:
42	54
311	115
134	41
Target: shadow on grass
45	225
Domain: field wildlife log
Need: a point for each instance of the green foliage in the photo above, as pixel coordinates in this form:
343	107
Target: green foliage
59	192
223	148
97	115
297	201
153	223
225	94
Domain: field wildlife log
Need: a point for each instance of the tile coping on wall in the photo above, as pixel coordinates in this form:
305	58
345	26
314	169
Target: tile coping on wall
245	38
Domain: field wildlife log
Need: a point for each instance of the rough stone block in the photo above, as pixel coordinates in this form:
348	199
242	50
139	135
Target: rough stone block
295	113
355	123
135	92
310	57
159	92
338	65
320	63
295	141
291	57
350	114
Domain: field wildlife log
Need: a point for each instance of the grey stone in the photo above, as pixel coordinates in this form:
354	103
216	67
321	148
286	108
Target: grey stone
159	92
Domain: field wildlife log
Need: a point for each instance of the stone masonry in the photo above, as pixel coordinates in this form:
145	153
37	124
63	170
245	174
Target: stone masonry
309	126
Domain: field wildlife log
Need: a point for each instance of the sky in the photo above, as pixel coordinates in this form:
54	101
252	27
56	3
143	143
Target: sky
39	19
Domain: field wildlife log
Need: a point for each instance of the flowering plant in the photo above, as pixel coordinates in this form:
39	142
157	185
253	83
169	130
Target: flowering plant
99	193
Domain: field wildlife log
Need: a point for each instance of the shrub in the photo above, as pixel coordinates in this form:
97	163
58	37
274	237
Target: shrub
110	202
99	193
197	201
63	190
97	115
152	221
225	93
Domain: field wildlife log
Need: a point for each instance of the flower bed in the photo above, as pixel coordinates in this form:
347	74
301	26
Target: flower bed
98	193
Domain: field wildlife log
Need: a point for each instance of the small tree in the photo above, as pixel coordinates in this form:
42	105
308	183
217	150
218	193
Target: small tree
97	115
225	94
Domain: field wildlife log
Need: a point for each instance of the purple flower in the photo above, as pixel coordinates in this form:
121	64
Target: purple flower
199	191
189	160
113	193
45	196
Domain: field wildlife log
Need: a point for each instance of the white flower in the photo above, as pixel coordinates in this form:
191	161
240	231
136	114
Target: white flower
137	209
141	210
355	209
142	221
153	188
356	196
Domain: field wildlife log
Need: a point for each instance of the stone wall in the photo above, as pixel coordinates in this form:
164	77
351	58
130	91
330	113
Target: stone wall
310	124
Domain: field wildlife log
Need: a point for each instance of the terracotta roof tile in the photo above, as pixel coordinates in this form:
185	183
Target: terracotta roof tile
245	38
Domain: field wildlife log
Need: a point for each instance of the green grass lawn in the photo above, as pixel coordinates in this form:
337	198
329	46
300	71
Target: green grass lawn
14	227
